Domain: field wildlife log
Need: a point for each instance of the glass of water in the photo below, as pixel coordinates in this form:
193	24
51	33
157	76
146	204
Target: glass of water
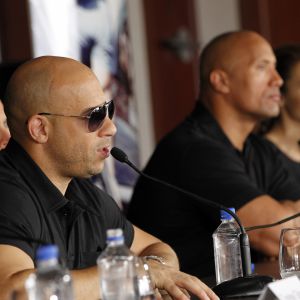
145	285
289	252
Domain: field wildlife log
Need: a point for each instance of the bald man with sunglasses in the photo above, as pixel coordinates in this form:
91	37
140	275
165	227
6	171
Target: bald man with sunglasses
61	127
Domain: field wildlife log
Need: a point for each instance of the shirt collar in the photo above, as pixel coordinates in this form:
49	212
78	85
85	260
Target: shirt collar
203	119
47	193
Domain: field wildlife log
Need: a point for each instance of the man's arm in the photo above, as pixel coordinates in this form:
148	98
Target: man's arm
16	266
168	277
266	210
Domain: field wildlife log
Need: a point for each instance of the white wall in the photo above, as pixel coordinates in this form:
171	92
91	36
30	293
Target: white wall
214	17
141	79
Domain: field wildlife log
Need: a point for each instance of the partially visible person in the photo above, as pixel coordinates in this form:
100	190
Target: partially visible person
4	131
62	129
6	70
284	130
214	154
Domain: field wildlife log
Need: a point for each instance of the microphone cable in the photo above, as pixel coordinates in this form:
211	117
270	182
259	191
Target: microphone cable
273	224
122	157
241	286
119	155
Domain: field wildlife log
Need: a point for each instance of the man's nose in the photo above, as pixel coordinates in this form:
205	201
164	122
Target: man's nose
108	128
278	81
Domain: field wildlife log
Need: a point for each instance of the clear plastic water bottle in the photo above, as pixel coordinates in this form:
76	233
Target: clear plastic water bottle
227	251
51	280
118	278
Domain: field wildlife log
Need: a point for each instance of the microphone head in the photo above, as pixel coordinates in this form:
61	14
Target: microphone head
119	155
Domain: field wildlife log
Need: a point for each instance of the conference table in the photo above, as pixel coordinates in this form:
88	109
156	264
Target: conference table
270	268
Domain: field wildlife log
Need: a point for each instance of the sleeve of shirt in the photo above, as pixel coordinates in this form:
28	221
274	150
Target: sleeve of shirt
217	173
116	219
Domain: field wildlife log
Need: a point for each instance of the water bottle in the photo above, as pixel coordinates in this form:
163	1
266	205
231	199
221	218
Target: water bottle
51	280
118	278
227	250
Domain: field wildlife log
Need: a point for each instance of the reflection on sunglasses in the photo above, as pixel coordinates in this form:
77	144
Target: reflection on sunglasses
95	117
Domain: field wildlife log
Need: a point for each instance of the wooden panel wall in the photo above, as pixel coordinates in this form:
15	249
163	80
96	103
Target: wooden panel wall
276	20
15	36
174	84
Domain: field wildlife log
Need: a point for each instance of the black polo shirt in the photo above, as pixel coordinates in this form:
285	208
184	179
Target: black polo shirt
33	208
198	157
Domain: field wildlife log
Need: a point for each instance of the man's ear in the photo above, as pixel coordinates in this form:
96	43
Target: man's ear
38	128
219	81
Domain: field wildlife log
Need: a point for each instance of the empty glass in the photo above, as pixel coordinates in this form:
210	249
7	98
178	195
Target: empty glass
289	252
145	285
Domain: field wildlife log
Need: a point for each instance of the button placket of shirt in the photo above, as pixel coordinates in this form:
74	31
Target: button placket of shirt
77	212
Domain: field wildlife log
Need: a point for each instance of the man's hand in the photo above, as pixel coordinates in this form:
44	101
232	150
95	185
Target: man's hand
178	284
167	279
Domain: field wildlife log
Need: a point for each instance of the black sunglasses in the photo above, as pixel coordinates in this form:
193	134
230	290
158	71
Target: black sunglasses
95	117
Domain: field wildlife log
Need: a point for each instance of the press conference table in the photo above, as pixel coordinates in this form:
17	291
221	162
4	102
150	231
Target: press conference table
270	268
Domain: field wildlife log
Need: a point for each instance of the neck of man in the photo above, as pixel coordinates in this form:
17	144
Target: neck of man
236	130
236	126
48	167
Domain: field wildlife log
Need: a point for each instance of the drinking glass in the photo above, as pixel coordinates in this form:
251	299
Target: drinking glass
145	285
289	252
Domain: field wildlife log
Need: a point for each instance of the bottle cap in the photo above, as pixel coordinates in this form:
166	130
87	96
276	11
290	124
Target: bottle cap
225	215
47	252
252	268
114	234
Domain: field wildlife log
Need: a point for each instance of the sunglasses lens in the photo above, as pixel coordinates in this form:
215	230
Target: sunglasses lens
111	109
96	119
98	115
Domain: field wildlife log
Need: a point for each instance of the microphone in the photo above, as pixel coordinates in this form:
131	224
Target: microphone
249	283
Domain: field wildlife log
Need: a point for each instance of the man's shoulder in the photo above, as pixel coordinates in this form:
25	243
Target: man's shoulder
188	134
6	167
16	196
10	177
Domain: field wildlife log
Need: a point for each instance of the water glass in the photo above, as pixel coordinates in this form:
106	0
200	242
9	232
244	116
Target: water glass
289	252
145	285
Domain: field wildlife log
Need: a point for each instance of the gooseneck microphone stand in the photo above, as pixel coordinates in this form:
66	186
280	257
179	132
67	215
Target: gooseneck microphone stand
249	284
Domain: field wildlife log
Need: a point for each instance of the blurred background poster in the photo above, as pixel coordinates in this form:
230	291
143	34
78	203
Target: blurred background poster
96	32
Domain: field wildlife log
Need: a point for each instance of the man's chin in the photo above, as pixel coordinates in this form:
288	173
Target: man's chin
96	171
271	113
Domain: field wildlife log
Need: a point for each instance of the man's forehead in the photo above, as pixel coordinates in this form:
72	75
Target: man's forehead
263	53
253	50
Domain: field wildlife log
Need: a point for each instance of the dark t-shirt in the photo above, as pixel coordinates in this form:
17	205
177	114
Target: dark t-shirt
198	157
33	208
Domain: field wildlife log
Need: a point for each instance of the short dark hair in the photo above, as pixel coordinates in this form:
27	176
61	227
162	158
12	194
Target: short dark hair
287	57
210	56
207	58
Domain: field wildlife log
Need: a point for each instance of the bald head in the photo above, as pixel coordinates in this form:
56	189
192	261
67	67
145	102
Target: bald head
42	84
225	52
